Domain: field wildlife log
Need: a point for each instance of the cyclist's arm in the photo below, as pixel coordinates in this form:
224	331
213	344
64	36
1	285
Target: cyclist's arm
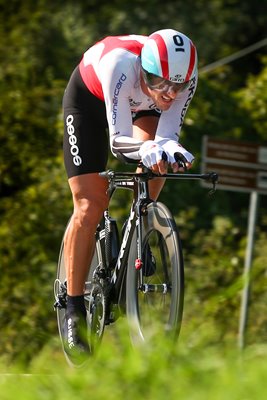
169	127
117	87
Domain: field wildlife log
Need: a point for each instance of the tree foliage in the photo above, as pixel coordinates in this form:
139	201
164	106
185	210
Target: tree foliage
40	43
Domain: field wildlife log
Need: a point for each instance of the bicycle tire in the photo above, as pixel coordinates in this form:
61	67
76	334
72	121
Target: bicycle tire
60	292
151	312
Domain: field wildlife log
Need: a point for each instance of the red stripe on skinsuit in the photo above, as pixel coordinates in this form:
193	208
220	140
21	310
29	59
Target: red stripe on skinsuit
192	62
163	54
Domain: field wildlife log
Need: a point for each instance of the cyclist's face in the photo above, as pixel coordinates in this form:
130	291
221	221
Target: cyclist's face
162	91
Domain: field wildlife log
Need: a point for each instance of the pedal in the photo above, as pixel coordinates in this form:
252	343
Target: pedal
61	297
60	303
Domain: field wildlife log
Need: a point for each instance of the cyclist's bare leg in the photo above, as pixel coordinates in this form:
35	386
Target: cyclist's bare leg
144	128
90	200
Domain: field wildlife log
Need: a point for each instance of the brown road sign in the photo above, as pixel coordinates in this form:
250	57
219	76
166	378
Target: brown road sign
241	166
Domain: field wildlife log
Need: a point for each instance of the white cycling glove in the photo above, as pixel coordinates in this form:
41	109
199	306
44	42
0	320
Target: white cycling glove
174	150
150	153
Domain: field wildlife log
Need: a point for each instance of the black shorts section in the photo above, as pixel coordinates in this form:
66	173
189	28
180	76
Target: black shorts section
145	113
85	142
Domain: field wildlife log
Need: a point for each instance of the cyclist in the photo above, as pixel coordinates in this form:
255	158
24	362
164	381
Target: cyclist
139	87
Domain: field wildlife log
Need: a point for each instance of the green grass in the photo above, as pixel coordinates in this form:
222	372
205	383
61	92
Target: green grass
191	370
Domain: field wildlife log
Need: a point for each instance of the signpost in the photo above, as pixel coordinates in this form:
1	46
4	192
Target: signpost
241	166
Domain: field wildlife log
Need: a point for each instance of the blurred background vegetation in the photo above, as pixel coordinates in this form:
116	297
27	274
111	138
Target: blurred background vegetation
41	41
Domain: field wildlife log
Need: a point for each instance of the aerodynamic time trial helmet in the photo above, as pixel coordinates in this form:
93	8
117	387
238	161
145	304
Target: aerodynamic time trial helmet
171	56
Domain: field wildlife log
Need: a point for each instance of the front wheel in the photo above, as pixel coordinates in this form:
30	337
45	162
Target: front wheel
154	297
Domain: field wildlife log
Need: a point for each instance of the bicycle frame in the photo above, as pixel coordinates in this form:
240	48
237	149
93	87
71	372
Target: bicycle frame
127	181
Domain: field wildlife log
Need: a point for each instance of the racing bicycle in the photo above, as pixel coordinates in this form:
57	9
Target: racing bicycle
140	275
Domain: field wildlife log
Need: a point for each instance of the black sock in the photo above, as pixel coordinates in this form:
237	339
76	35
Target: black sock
75	304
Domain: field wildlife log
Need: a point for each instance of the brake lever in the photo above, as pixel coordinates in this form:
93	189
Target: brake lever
214	180
181	160
181	164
